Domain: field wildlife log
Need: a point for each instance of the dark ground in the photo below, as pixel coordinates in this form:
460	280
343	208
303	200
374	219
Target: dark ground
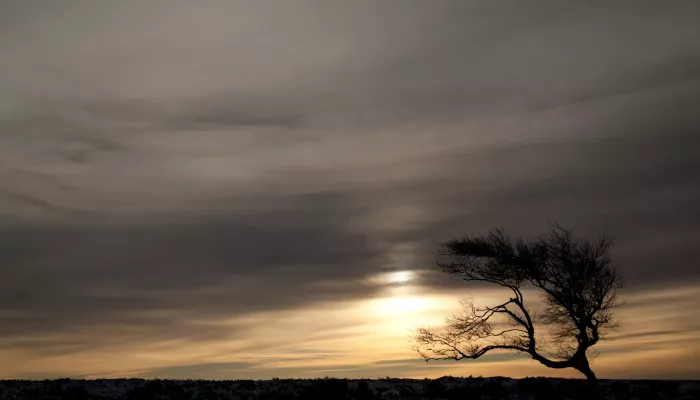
330	389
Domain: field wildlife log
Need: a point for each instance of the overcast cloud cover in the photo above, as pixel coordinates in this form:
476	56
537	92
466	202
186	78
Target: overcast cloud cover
169	165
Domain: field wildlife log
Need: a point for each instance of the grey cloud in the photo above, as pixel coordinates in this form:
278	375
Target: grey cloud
639	190
218	266
230	369
61	278
212	161
637	335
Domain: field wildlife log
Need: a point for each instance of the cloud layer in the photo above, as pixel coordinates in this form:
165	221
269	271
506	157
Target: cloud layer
167	166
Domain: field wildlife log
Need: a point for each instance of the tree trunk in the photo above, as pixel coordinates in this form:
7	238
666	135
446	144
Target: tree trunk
596	392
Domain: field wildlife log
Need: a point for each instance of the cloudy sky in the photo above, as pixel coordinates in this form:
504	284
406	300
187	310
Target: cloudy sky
220	189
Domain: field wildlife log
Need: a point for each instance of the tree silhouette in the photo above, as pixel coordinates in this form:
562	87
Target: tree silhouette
576	282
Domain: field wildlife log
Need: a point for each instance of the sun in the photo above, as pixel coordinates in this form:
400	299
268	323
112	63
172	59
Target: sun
400	277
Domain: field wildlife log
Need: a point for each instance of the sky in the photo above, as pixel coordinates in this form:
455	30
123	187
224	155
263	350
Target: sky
255	189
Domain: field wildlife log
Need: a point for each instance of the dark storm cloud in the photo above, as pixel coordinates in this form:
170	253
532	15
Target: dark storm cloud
159	167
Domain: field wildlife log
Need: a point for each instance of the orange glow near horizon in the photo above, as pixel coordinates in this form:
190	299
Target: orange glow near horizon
365	337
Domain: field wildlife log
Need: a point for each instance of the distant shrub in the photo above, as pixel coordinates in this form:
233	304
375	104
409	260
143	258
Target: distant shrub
363	392
435	388
330	389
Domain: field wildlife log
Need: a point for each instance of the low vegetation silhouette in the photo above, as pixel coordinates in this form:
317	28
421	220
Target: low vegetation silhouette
445	388
578	293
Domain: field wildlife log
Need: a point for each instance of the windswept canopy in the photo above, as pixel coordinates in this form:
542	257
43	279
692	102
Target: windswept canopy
578	291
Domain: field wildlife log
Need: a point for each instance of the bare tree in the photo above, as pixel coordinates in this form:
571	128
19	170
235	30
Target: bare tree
578	289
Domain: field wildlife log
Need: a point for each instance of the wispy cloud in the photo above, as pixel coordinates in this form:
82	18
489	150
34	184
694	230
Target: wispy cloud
170	173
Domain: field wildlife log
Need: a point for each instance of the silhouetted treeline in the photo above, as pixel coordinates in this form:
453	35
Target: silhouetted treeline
331	389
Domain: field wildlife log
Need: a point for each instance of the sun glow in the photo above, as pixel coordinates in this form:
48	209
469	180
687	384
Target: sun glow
393	306
396	316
